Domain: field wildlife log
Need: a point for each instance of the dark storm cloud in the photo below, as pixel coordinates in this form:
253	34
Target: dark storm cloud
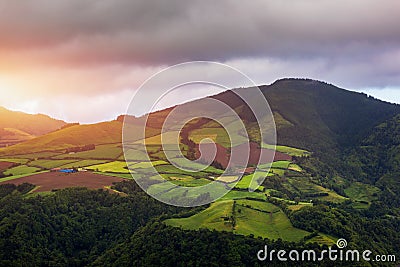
95	52
154	32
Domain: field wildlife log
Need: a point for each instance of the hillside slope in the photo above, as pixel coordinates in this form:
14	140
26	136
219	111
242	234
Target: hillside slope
77	135
309	114
16	127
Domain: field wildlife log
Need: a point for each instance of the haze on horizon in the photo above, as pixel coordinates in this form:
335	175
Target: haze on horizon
82	60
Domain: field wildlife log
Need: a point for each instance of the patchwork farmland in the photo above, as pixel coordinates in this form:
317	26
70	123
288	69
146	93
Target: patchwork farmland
240	211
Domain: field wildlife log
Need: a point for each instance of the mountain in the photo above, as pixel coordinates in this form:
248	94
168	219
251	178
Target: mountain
339	179
309	114
16	127
312	114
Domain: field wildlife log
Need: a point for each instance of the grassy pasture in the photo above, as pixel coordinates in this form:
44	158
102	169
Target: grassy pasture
362	192
270	223
112	151
83	163
279	172
50	163
21	169
236	194
159	188
299	206
245	182
15	160
218	135
323	239
38	155
283	164
251	217
186	180
147	164
114	166
292	151
228	179
170	169
309	189
134	155
211	218
295	167
171	137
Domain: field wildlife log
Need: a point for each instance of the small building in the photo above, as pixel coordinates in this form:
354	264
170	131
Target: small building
67	170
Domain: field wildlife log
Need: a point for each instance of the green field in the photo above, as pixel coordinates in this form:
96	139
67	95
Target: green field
15	160
295	167
218	135
279	172
245	182
83	163
236	194
21	169
159	188
270	223
112	151
185	163
183	180
211	218
299	206
34	156
323	239
170	169
114	166
50	163
289	150
171	137
147	164
282	164
134	155
245	217
307	189
362	192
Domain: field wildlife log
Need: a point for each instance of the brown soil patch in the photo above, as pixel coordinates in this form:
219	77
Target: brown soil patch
256	154
4	165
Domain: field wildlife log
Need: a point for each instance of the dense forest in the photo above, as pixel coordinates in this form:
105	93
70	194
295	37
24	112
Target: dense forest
80	227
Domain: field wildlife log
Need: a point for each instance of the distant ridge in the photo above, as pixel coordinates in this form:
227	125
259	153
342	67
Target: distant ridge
17	127
309	114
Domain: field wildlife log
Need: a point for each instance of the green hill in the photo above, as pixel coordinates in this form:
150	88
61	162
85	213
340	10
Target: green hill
77	135
16	127
37	124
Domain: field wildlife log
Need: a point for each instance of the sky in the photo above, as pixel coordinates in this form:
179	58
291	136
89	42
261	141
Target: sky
83	60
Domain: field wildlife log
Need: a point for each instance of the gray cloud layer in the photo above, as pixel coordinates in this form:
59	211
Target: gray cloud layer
107	46
153	32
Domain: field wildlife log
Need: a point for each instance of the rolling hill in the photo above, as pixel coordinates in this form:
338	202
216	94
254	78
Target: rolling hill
16	127
77	135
